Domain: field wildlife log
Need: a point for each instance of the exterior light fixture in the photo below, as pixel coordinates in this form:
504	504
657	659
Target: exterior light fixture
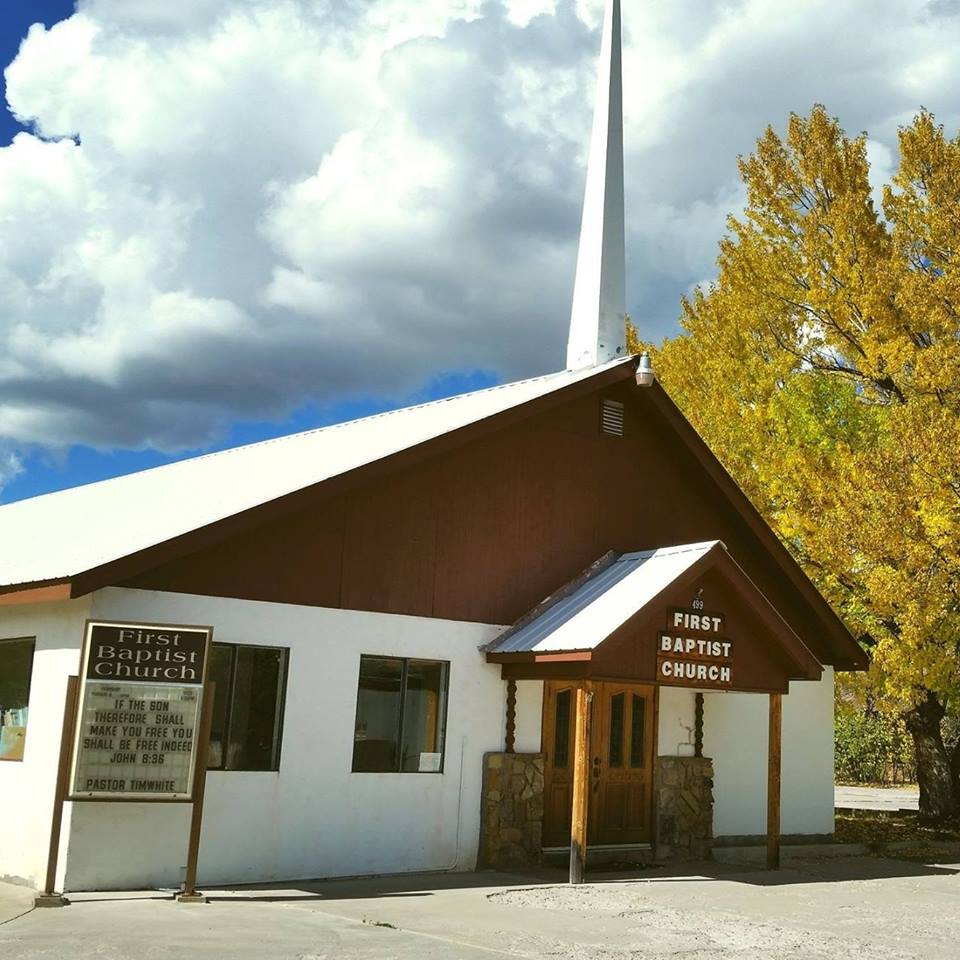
645	374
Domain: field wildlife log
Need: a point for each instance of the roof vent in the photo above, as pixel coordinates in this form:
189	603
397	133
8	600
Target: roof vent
611	417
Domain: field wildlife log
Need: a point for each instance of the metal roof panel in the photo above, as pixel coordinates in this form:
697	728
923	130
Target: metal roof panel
61	535
583	618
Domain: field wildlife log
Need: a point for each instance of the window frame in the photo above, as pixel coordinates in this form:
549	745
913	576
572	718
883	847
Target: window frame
33	655
280	717
442	726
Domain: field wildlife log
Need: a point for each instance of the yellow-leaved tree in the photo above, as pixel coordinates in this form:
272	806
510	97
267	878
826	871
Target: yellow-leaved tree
823	368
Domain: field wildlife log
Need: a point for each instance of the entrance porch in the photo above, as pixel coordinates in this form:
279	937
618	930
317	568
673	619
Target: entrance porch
632	631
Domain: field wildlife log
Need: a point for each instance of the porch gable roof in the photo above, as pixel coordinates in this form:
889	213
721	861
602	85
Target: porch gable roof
573	623
582	614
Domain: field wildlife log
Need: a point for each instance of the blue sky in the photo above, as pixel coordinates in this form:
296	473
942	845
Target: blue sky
46	470
15	19
241	218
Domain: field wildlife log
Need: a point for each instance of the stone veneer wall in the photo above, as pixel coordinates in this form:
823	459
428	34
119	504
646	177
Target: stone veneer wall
684	808
511	810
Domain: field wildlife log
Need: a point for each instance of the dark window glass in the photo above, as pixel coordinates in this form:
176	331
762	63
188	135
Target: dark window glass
377	730
423	716
247	707
16	667
638	731
561	734
401	714
616	730
255	709
221	672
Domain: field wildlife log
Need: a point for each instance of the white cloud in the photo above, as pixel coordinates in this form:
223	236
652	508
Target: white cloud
521	12
882	167
275	201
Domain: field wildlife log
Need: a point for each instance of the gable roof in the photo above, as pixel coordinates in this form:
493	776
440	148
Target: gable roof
583	614
848	654
58	536
579	617
69	543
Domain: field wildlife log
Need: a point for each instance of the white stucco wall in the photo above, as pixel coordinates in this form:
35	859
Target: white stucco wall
314	817
27	786
529	721
735	736
676	722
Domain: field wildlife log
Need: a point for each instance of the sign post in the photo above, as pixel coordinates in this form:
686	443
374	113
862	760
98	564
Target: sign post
48	897
190	894
137	724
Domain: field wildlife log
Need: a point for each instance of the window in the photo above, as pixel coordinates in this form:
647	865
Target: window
401	716
616	730
16	666
561	731
638	731
247	707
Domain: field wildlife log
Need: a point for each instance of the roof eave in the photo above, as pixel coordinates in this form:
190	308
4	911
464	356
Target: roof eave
803	665
540	656
47	592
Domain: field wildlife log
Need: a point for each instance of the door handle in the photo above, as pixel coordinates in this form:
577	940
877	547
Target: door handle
596	774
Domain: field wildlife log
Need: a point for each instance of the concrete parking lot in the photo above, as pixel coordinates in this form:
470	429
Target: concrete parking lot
877	798
839	909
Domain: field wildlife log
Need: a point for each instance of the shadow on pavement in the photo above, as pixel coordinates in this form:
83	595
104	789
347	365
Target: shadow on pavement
799	871
411	886
103	897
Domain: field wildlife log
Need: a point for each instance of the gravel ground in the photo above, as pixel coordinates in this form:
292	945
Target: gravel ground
837	909
656	932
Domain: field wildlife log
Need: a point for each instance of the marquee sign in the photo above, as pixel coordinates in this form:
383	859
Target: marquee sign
139	714
693	652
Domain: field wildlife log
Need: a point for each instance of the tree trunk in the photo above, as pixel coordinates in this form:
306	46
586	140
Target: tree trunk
938	798
955	770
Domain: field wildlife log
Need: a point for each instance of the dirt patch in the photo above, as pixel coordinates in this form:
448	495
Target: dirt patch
879	827
654	931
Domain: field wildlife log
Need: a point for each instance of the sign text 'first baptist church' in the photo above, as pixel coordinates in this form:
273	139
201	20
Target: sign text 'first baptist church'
692	651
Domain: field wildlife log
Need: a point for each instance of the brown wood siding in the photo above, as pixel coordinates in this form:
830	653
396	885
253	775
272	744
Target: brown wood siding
485	531
758	660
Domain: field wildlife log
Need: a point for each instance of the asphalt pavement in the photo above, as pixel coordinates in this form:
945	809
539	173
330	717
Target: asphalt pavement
858	908
877	798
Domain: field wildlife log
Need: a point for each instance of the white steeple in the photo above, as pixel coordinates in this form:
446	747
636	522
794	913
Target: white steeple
597	331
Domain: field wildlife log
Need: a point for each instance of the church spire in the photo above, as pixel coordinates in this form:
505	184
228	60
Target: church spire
599	295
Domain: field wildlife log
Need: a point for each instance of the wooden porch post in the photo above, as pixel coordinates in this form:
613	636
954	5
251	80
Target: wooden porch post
581	783
773	782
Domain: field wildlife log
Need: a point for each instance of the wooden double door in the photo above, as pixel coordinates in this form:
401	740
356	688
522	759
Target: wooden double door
620	760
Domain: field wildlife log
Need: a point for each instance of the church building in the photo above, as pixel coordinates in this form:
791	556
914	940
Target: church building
482	631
